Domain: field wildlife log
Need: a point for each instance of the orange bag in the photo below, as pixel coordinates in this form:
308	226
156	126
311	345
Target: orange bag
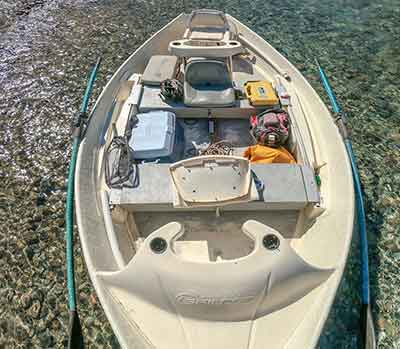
266	155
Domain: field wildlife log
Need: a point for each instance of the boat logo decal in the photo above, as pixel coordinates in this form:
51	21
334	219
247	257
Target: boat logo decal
186	298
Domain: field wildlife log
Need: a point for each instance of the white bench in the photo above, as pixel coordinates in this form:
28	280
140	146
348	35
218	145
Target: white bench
287	187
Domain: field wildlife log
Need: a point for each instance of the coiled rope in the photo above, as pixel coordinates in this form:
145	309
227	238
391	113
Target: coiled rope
219	148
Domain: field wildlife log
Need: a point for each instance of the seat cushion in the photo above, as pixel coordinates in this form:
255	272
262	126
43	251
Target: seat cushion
202	71
158	69
208	84
217	96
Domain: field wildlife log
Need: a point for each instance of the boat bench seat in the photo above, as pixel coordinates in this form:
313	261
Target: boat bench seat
151	100
207	25
159	68
287	187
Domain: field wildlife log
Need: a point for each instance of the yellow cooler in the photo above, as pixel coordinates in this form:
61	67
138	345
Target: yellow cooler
261	93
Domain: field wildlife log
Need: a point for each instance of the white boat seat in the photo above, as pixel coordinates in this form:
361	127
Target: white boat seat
207	25
287	187
208	84
159	68
208	34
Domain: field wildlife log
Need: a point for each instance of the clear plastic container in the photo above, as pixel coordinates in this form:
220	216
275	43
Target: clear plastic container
154	135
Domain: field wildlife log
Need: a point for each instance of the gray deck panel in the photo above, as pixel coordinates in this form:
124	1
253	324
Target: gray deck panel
151	100
286	187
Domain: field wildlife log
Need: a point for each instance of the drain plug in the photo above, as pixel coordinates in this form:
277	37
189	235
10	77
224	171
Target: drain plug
158	245
271	242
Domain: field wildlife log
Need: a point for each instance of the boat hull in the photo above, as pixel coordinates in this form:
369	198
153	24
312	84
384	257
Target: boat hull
325	244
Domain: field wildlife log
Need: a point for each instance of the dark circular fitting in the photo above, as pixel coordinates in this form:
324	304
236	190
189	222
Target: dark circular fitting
271	242
158	245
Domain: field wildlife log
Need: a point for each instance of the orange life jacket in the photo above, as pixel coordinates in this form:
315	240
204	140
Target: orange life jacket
267	155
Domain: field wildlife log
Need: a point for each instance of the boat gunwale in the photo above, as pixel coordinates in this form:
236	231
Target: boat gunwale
337	275
139	338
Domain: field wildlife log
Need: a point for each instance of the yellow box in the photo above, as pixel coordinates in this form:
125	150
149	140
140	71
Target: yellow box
261	93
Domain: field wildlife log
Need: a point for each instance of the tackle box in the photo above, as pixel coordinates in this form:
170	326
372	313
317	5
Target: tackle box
261	93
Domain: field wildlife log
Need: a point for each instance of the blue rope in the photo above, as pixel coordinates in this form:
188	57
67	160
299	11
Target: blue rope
69	214
362	226
70	227
329	90
89	87
365	288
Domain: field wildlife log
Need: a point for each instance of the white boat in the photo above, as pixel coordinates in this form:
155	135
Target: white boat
212	251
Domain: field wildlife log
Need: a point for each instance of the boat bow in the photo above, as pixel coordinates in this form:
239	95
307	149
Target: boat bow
160	289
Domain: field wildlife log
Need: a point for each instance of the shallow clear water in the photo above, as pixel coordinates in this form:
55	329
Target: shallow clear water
46	51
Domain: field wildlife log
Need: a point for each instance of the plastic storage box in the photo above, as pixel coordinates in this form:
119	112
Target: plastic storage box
154	136
261	93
